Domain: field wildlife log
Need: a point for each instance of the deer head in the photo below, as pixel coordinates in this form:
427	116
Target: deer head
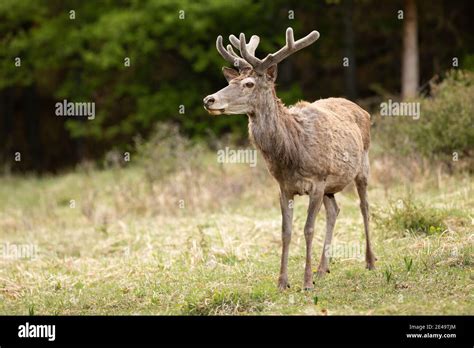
253	76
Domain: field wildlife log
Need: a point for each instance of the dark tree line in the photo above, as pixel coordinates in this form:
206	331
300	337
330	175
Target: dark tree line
173	64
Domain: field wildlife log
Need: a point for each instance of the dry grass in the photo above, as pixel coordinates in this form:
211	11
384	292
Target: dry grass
205	240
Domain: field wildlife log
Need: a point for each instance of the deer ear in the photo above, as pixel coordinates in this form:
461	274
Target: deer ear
272	73
229	73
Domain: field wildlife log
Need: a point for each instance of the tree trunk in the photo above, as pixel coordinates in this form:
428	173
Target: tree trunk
349	71
410	64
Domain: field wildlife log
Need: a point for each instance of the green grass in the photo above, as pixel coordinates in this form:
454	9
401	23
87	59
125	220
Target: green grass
408	216
128	247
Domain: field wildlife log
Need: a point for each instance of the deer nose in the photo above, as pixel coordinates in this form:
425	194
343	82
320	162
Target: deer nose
209	100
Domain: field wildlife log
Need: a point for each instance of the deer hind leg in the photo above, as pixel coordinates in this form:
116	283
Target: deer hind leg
286	202
332	210
361	184
315	201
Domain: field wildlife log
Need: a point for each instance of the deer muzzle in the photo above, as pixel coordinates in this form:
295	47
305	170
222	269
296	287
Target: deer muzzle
211	106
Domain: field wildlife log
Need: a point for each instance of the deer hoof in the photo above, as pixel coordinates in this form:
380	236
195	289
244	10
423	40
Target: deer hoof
283	285
370	261
370	266
322	272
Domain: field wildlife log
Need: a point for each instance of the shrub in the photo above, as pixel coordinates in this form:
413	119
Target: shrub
444	130
413	217
447	118
167	152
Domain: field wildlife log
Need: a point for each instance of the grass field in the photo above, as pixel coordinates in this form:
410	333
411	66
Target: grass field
206	240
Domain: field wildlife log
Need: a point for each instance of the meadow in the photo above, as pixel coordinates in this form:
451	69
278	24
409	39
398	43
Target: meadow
125	207
187	235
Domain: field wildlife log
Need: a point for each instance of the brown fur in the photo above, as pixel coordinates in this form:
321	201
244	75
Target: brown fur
308	142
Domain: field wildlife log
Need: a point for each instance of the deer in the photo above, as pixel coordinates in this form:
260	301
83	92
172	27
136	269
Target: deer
315	149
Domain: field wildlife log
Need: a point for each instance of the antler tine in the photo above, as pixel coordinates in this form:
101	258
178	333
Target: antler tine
232	58
231	51
290	38
251	46
245	50
234	41
223	52
290	47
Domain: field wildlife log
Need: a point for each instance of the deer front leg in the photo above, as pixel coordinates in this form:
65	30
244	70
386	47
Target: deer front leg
286	203
315	201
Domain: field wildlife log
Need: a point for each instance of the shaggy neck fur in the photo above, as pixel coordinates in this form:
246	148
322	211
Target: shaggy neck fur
278	134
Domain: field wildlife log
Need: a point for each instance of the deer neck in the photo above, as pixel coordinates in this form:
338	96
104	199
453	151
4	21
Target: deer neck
273	130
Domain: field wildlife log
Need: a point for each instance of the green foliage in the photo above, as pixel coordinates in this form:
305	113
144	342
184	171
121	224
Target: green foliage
408	216
225	303
31	310
388	274
445	127
468	62
408	263
174	64
292	95
447	118
82	59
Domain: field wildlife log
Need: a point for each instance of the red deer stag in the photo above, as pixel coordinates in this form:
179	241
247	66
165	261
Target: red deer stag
314	149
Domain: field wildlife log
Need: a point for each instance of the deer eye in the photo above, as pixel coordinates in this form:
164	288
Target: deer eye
249	84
